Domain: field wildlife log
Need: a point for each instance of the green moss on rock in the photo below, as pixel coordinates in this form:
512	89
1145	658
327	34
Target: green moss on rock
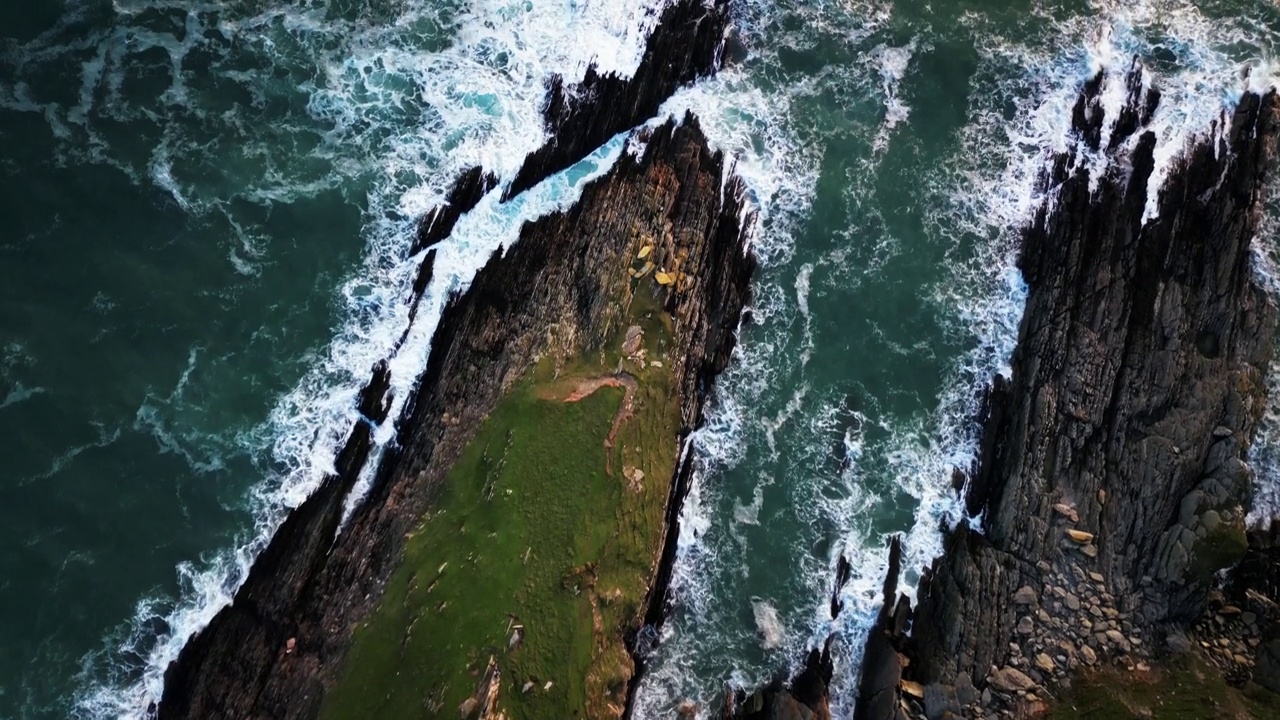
1221	547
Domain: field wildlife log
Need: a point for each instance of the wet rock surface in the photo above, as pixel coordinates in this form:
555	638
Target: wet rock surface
1112	476
274	650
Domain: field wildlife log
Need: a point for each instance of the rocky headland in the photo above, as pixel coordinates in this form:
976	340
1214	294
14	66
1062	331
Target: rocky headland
622	308
1112	483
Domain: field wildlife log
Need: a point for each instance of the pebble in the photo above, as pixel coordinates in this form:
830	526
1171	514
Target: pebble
1025	625
1010	680
1117	639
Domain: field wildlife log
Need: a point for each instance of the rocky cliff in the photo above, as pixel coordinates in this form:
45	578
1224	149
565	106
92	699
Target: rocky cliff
276	648
1112	481
271	653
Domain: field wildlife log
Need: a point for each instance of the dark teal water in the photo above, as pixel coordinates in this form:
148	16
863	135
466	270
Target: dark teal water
147	332
204	214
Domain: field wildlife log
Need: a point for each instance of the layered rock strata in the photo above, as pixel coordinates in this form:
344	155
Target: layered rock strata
1112	480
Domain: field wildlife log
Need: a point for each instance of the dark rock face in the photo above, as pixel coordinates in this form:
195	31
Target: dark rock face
583	117
1116	452
271	653
240	645
881	666
1255	583
461	199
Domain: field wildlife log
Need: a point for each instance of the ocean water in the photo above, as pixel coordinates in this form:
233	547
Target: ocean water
205	209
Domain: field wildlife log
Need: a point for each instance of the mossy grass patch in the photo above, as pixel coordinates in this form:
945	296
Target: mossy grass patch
537	552
1182	688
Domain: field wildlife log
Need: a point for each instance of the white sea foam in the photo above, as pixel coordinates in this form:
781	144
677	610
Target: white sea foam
18	393
749	514
802	302
768	624
409	120
893	63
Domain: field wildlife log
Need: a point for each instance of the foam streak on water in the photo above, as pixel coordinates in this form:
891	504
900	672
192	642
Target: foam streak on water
396	101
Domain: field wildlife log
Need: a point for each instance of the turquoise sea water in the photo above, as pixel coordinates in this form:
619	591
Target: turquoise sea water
204	208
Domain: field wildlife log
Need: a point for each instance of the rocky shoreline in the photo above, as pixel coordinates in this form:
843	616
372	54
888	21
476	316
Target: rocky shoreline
281	643
1112	480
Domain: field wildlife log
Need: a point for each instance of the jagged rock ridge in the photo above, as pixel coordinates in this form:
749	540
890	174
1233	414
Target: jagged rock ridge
1112	465
272	652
